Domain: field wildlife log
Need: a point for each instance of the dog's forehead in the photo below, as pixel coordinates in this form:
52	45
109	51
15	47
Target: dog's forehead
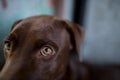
49	29
42	28
39	25
39	22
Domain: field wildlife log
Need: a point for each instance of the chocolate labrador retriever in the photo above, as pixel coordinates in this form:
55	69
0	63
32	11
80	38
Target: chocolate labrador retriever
40	48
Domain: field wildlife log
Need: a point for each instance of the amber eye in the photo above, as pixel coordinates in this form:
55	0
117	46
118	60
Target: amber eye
7	45
47	50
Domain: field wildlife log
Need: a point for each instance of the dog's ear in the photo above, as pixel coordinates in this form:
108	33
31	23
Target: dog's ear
15	23
77	35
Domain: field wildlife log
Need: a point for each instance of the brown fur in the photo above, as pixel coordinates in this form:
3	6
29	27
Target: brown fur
27	36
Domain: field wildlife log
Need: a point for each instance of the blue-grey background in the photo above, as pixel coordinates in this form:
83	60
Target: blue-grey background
102	40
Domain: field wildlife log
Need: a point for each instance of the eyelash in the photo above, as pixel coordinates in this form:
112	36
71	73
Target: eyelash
43	43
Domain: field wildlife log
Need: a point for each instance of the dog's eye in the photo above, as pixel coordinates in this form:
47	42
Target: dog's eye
7	45
47	50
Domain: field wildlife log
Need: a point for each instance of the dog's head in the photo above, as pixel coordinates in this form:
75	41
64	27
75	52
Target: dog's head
39	48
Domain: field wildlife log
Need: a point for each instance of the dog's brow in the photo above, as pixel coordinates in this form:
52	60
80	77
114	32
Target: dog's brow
12	36
41	42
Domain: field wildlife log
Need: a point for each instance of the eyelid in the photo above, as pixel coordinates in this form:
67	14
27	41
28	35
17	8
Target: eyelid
12	37
53	45
6	41
41	43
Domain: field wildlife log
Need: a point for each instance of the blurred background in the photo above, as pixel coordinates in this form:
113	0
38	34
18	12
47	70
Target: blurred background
100	18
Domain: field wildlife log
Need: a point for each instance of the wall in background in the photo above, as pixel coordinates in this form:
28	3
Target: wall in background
68	9
102	41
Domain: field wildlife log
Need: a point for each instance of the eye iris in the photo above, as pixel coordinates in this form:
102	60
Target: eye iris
46	50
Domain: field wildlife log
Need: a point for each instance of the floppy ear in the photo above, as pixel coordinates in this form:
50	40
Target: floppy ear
77	34
15	23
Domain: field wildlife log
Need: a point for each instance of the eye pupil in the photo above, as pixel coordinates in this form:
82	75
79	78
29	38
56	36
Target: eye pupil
47	50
